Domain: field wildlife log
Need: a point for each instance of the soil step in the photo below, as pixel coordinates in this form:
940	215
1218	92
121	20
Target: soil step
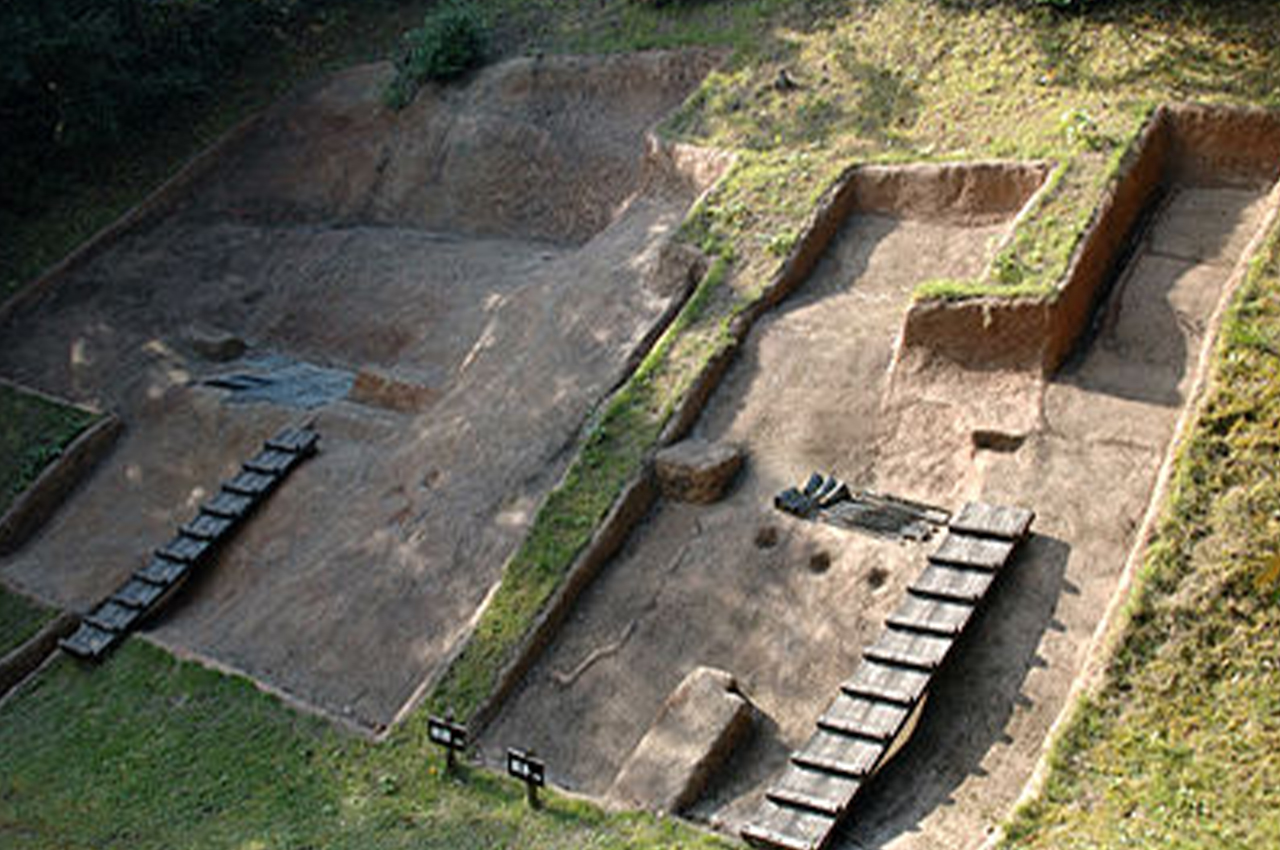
152	585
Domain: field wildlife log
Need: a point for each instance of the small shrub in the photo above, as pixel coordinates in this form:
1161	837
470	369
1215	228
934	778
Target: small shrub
450	42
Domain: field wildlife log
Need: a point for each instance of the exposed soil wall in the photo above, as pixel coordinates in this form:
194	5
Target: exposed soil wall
536	148
1181	144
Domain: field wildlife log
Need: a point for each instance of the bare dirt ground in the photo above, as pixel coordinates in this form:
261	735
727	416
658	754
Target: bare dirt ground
499	245
813	391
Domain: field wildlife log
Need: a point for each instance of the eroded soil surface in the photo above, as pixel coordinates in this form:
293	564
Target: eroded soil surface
812	391
498	249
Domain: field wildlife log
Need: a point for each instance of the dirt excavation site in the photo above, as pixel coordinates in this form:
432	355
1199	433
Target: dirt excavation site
448	293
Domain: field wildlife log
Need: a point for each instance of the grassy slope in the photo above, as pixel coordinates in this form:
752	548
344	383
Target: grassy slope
19	619
894	80
1181	747
149	752
33	431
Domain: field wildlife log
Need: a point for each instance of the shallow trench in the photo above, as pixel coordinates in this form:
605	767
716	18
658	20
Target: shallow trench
818	386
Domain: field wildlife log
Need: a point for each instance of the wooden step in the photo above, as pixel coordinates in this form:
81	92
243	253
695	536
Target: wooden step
953	583
788	827
874	719
979	553
817	790
837	752
935	616
910	649
891	682
999	521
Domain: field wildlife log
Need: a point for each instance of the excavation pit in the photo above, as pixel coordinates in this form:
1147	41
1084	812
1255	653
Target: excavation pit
447	292
943	416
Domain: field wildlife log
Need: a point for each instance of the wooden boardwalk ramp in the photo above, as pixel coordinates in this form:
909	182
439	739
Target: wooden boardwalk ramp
195	544
875	711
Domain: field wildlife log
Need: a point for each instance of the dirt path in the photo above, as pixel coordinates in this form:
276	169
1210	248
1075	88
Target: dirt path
312	241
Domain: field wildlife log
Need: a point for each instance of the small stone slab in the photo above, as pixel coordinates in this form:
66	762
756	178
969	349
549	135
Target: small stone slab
1005	523
271	462
137	593
788	827
936	616
953	583
186	549
870	718
966	550
114	617
89	641
229	505
806	787
253	484
163	571
877	680
838	753
697	470
912	649
207	526
298	441
695	732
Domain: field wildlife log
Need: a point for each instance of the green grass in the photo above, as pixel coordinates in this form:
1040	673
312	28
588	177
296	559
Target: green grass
19	620
887	81
33	432
1181	746
149	752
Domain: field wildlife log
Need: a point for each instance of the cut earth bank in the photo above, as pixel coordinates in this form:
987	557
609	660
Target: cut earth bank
786	606
448	291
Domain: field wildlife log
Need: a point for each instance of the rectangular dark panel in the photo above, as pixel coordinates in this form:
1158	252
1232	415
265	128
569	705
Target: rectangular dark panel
206	526
162	571
966	550
137	593
230	505
913	649
251	483
299	441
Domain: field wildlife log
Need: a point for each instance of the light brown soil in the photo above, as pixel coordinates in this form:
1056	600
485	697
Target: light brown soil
804	396
733	585
513	279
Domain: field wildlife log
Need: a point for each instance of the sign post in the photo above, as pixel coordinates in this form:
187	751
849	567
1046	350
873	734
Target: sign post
449	735
530	770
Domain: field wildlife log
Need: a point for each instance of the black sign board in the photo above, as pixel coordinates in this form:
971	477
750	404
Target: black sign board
529	770
452	736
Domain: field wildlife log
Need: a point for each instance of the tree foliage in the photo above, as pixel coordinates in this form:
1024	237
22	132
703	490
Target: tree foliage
80	76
